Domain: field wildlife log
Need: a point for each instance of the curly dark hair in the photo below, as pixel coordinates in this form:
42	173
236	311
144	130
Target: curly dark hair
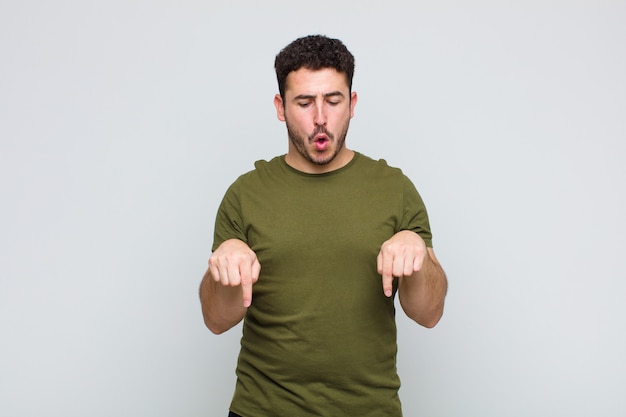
313	52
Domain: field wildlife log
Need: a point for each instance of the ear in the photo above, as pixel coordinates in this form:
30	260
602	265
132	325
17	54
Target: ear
280	107
353	100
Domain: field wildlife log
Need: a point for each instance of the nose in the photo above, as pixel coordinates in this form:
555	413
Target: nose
320	115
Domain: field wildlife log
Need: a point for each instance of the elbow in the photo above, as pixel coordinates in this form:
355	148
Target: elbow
427	319
219	324
215	327
217	330
429	322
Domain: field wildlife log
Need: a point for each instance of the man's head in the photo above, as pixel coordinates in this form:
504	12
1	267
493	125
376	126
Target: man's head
316	102
313	52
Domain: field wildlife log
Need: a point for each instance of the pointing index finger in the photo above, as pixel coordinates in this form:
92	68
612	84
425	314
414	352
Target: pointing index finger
246	285
246	291
385	268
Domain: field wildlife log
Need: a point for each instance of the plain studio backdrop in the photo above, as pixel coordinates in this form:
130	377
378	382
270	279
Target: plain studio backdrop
122	123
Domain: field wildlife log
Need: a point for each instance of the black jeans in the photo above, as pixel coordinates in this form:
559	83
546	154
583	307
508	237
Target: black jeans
231	414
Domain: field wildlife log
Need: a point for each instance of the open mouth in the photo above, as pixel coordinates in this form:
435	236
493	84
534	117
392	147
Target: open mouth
320	138
321	143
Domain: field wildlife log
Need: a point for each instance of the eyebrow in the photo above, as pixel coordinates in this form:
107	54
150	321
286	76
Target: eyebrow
312	96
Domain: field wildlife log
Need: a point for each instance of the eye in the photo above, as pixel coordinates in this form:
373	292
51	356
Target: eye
304	104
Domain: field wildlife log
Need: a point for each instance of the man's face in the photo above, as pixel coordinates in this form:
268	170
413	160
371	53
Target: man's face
317	110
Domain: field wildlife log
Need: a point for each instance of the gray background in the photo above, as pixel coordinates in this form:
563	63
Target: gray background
123	122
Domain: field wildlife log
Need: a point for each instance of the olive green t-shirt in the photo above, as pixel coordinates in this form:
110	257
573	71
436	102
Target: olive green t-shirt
320	337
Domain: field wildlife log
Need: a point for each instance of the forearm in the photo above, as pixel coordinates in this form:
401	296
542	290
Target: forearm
422	294
222	306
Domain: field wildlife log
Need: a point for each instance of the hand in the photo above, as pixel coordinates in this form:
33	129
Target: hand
400	256
233	263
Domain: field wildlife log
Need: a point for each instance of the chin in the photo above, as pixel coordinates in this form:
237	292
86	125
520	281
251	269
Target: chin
319	160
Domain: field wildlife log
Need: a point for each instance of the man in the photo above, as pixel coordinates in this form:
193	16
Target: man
310	249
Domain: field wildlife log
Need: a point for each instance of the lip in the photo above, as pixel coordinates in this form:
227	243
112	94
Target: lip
321	144
321	137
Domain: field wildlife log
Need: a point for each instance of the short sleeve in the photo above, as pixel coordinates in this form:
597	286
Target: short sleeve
229	221
415	216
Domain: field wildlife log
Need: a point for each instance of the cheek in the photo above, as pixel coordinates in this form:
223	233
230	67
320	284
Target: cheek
297	120
341	119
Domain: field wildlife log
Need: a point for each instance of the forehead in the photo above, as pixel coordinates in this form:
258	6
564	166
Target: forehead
307	81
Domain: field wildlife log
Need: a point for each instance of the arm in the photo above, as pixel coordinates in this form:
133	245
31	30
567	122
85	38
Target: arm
422	294
226	288
422	283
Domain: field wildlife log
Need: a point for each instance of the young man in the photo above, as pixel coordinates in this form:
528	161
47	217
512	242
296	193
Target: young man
310	249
